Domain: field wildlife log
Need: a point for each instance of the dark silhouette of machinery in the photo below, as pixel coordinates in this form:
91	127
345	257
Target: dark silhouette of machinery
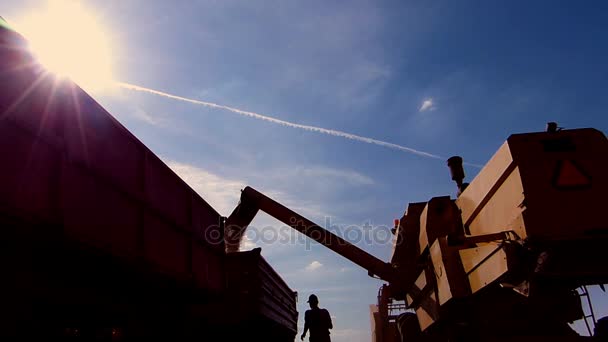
103	241
101	238
503	259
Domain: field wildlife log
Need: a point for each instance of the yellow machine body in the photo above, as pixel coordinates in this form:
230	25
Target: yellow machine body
545	186
535	210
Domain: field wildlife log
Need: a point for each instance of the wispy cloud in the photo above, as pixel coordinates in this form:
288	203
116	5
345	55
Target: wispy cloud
144	116
349	176
351	334
315	176
360	85
315	265
267	118
427	105
332	289
222	193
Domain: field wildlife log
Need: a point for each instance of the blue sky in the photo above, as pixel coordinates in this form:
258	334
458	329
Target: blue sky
445	77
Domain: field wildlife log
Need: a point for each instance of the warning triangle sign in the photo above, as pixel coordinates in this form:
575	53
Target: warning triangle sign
569	175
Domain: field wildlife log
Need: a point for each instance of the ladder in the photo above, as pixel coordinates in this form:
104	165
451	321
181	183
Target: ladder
585	293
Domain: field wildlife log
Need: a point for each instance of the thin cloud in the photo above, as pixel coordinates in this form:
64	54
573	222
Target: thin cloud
316	129
321	176
351	334
222	193
142	115
350	176
267	118
315	265
427	104
330	289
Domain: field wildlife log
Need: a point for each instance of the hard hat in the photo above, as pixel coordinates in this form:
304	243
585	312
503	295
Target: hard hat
313	299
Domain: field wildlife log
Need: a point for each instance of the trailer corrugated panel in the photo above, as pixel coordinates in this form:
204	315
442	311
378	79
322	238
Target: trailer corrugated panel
112	219
259	292
68	163
97	140
29	172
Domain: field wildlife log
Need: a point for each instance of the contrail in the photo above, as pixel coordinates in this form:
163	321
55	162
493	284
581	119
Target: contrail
285	123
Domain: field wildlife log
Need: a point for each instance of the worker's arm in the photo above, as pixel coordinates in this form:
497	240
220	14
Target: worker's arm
305	325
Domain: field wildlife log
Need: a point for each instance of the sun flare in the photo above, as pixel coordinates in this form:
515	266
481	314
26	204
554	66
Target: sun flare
70	42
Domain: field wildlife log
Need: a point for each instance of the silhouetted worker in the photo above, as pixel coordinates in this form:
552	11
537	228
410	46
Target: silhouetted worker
317	321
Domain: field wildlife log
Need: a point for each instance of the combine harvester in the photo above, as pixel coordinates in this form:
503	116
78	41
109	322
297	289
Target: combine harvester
101	240
502	262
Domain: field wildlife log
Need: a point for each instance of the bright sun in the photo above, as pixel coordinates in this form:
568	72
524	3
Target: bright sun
69	41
